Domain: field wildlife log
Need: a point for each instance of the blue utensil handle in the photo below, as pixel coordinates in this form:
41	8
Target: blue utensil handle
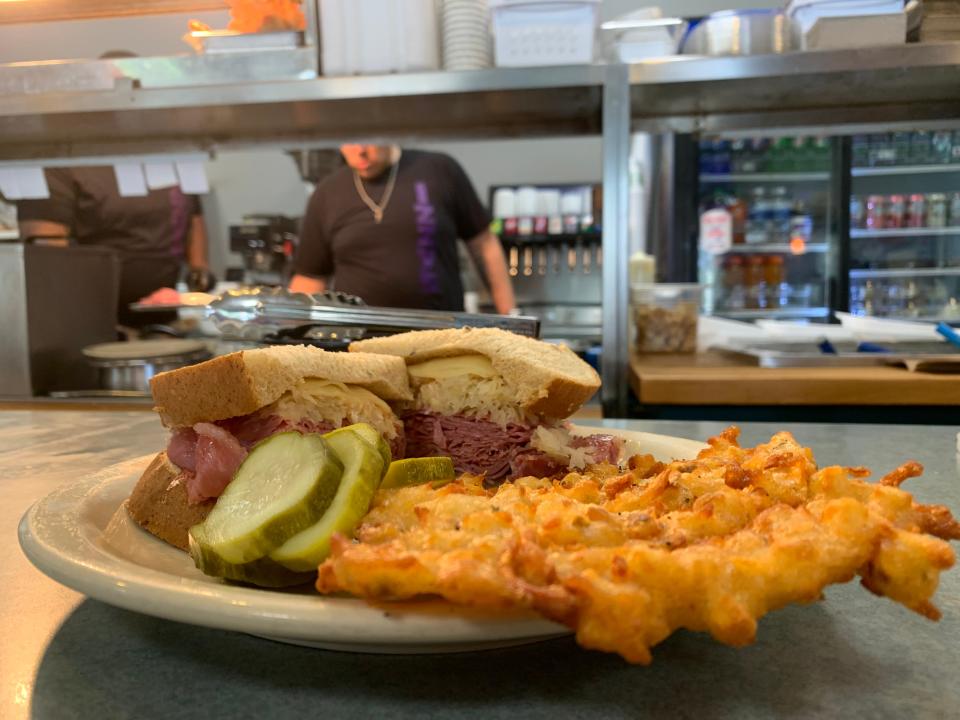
949	333
866	347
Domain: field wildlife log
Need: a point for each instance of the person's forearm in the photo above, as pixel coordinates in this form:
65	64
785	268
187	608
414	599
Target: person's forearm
307	284
495	265
197	255
49	232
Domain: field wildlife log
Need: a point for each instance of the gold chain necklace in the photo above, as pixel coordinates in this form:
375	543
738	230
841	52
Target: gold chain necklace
376	209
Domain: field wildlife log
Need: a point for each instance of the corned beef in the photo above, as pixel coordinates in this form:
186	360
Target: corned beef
537	464
475	445
603	448
210	453
483	447
217	456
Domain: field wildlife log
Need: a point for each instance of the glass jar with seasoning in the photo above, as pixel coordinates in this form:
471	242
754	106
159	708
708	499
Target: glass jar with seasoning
936	210
917	211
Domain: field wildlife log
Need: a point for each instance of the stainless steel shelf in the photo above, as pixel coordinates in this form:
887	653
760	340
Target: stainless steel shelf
138	120
904	232
903	170
856	89
746	249
782	313
905	273
785	177
118	113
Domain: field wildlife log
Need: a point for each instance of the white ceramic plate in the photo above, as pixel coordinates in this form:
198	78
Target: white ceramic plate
80	535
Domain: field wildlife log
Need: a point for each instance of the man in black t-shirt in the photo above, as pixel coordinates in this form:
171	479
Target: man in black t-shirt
153	235
385	228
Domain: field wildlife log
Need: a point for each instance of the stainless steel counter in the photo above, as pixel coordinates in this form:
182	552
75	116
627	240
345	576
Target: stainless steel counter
855	655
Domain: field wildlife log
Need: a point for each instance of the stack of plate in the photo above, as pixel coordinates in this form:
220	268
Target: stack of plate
466	35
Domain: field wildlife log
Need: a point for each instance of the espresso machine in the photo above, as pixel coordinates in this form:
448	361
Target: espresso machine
552	241
267	244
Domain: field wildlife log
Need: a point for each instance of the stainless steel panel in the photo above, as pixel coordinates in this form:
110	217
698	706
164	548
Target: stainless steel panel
859	88
559	283
74	78
511	102
15	376
867	87
55	301
214	41
253	57
616	156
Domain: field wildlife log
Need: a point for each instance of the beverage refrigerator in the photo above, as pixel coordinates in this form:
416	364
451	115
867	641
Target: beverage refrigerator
773	254
796	228
903	225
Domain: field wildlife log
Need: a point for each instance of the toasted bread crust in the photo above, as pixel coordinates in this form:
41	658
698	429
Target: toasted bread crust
159	504
243	382
548	380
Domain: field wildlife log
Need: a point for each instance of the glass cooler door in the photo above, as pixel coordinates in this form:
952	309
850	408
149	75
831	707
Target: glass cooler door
904	244
777	193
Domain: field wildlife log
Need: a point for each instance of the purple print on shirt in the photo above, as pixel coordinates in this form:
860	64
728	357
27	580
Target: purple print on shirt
426	239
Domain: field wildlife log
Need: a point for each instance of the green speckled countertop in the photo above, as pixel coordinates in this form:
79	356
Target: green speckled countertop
853	656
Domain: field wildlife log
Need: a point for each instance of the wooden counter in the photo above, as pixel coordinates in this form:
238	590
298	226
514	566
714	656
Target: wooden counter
711	379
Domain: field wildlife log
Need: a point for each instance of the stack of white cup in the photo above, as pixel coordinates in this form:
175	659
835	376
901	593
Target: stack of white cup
466	35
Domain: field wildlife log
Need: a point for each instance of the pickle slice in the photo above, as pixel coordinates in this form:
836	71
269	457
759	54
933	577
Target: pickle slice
437	471
262	571
362	470
283	487
372	435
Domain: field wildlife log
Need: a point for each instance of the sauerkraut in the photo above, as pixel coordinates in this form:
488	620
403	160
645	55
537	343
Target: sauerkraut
555	442
338	404
486	398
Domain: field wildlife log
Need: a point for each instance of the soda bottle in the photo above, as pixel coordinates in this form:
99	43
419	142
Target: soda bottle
753	281
757	216
781	208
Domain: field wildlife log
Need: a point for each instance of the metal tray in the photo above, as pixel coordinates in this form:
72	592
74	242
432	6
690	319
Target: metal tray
215	41
779	355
